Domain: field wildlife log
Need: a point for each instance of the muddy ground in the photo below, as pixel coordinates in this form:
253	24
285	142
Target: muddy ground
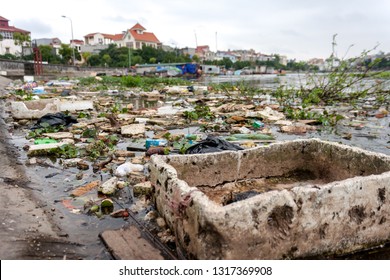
29	228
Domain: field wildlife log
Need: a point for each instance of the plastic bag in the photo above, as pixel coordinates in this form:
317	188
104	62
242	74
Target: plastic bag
126	168
212	144
56	119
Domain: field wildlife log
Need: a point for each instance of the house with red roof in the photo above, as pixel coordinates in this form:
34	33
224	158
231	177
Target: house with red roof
135	38
100	38
204	53
7	42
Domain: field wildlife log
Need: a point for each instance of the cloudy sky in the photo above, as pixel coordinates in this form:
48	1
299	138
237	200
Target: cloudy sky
300	29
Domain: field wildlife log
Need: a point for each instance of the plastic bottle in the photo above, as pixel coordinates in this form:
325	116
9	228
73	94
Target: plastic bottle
155	142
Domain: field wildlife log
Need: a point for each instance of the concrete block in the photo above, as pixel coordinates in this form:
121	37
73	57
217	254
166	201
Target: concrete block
59	135
36	109
33	109
293	199
133	129
75	105
46	149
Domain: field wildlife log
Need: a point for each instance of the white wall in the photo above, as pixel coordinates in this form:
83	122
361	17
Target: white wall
13	49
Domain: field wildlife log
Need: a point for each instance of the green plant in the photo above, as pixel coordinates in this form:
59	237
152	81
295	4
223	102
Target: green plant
246	90
90	133
83	115
45	128
346	81
182	145
65	151
326	118
27	95
200	112
96	149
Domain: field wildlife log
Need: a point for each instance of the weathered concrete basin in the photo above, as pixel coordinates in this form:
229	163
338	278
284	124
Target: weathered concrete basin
304	198
35	109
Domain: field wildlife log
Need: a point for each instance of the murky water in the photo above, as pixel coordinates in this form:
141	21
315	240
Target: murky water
272	81
373	134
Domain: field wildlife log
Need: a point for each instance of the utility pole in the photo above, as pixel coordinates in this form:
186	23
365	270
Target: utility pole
216	42
334	44
196	40
71	29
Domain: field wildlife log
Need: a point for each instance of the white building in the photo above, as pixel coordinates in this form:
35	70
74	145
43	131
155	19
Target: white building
135	38
7	42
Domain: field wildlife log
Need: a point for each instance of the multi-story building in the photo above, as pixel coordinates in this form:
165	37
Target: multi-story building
55	43
220	55
98	38
135	38
204	53
8	45
76	44
188	51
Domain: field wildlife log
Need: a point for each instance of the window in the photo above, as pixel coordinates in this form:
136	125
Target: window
6	35
7	50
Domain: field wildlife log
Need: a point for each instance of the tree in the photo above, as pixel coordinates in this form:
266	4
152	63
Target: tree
241	64
49	55
94	60
195	58
137	60
86	56
106	59
66	53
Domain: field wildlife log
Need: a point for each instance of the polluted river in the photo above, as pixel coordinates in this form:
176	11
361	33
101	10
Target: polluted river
130	122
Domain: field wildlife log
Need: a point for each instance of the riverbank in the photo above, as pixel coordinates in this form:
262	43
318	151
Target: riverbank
28	229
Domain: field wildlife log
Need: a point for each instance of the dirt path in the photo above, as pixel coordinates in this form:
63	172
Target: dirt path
27	228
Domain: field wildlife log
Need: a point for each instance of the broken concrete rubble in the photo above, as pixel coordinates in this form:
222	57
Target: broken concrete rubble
109	187
267	114
338	204
35	109
46	149
144	188
133	129
59	135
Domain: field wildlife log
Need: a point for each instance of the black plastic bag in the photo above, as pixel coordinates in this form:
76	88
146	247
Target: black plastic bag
54	120
212	144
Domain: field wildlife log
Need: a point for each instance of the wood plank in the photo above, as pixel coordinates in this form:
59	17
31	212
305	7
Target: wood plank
128	244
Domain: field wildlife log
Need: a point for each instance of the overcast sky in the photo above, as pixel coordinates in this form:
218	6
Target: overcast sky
300	29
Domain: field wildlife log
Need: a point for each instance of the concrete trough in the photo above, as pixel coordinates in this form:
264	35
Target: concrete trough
35	109
288	200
